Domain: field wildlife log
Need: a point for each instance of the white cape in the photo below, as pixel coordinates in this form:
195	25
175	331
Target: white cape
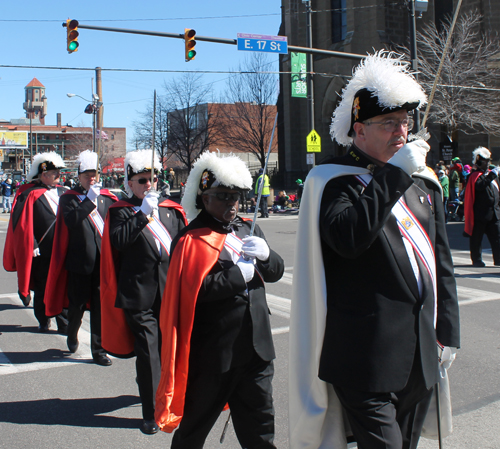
316	417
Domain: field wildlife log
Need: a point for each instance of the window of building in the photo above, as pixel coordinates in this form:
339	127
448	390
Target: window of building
113	149
112	137
43	136
339	20
57	138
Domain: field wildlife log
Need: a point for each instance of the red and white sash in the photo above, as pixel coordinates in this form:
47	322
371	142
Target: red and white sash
52	196
411	230
159	231
94	217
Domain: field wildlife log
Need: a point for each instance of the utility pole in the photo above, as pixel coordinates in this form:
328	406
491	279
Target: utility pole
310	82
100	112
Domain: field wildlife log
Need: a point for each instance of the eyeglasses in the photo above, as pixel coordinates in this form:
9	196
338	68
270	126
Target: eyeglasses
392	125
144	180
225	196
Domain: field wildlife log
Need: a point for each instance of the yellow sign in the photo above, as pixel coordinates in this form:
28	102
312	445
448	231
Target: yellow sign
1	154
17	139
313	142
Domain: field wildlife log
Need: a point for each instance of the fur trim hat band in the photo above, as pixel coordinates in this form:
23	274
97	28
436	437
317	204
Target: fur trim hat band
45	162
87	160
480	153
138	162
211	171
380	84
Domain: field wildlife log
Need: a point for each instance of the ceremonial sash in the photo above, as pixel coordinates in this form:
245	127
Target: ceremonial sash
411	229
158	230
95	217
52	197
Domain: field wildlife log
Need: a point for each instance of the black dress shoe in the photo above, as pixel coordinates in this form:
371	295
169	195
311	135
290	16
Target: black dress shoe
103	360
479	264
149	427
44	328
72	345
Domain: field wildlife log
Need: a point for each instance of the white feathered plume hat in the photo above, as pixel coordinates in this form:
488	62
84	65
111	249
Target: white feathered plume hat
211	171
480	152
139	162
87	160
44	162
381	83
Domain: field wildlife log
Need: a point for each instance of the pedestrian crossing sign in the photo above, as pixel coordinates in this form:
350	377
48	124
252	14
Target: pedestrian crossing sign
313	142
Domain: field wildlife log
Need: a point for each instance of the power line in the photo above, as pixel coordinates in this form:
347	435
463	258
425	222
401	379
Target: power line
241	16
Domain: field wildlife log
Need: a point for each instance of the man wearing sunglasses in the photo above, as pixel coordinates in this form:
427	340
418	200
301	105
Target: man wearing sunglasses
217	346
135	260
374	289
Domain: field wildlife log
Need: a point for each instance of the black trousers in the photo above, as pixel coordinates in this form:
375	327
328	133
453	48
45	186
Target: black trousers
388	420
83	288
492	231
38	281
248	391
144	326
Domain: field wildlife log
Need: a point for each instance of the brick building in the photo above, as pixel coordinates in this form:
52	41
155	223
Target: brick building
359	27
67	140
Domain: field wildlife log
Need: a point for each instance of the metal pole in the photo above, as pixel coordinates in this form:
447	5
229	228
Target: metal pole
413	52
310	82
448	40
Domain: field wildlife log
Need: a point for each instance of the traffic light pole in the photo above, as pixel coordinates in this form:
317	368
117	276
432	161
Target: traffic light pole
218	40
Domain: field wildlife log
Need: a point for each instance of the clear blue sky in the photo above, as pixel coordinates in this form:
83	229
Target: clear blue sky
32	35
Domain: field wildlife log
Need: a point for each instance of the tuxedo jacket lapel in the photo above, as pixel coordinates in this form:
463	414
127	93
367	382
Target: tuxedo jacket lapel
395	241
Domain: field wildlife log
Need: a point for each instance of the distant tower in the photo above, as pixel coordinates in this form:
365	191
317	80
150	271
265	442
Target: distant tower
35	103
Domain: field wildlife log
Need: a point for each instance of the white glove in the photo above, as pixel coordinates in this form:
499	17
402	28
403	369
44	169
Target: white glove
496	170
94	191
255	247
150	202
411	157
447	357
36	252
247	268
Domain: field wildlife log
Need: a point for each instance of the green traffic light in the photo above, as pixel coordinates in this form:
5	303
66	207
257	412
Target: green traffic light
73	46
191	54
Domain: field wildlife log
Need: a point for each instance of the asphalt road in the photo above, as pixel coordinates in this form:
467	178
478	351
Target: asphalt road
51	398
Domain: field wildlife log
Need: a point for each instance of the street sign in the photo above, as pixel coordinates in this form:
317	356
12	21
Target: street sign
261	42
313	142
310	159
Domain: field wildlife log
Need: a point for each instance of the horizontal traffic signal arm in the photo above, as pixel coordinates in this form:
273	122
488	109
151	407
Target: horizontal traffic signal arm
218	40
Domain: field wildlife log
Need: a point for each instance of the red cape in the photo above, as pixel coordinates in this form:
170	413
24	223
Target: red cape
194	256
19	242
56	291
117	338
470	195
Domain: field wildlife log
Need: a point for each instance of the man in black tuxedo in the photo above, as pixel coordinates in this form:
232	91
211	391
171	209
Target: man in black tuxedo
482	208
76	266
28	248
141	231
220	288
390	289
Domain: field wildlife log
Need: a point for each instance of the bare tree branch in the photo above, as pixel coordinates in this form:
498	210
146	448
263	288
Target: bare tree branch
249	121
462	100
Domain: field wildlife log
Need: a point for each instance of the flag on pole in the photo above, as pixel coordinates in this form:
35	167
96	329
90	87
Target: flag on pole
104	135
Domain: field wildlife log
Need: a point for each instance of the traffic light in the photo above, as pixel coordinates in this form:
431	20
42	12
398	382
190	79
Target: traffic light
189	43
72	35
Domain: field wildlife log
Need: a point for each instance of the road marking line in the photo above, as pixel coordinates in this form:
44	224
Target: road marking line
281	330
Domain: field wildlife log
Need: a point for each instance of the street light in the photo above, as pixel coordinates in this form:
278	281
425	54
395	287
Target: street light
91	109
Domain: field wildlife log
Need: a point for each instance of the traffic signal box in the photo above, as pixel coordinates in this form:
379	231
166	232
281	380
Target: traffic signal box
72	35
189	43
